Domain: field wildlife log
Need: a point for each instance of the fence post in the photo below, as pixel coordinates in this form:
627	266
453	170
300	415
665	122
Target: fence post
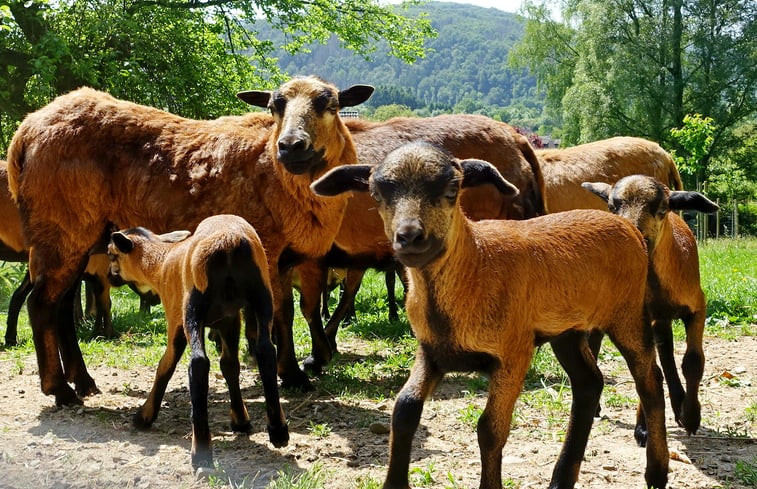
717	219
735	218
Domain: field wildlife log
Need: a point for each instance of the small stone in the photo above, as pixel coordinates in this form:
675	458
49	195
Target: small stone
205	473
379	428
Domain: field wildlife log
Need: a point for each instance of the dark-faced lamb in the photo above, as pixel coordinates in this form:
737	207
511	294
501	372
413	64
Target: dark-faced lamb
674	291
483	294
206	280
166	172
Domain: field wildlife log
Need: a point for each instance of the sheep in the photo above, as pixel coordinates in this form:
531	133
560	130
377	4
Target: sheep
483	294
361	238
87	161
607	161
205	280
674	290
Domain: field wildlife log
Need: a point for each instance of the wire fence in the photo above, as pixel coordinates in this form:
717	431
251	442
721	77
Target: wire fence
734	219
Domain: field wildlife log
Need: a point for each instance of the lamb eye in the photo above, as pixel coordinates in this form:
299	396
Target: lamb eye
376	196
451	193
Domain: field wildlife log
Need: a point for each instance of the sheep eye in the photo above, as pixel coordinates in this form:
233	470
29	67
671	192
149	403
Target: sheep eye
278	105
451	192
376	196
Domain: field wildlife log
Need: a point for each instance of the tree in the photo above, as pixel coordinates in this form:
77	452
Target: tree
635	67
186	56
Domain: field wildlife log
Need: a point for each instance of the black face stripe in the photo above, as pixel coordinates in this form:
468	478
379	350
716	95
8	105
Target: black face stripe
278	102
325	101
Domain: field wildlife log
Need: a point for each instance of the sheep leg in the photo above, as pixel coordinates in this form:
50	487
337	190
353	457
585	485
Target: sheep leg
663	336
693	369
636	345
292	377
595	344
73	363
229	329
407	415
493	428
313	282
199	370
102	306
43	318
346	303
175	345
265	354
14	309
573	352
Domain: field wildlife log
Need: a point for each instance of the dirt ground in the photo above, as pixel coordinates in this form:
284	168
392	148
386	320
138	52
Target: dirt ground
95	446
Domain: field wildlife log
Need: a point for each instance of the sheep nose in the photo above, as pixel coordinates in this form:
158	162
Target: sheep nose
292	144
409	235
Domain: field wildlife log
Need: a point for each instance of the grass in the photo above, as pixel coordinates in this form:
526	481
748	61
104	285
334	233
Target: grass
377	353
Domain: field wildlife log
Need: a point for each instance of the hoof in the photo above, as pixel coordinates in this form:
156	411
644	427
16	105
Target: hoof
140	423
86	388
297	382
65	396
640	435
313	366
245	427
279	436
202	458
690	417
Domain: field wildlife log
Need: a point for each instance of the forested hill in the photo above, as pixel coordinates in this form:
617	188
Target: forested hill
466	67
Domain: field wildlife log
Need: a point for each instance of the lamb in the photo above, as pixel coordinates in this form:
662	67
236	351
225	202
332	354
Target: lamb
205	280
361	243
165	172
483	294
674	290
607	161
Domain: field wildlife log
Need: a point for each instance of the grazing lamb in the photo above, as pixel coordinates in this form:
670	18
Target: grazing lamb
204	281
166	172
674	290
361	241
550	278
607	161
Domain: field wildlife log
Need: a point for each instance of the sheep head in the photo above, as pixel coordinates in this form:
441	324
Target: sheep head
646	202
306	114
417	190
135	253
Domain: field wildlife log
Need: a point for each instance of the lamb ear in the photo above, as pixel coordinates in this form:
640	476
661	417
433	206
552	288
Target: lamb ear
258	98
174	236
683	200
345	178
600	189
480	172
122	242
355	95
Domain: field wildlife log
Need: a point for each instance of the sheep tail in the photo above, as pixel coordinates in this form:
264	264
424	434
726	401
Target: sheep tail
16	156
674	178
542	207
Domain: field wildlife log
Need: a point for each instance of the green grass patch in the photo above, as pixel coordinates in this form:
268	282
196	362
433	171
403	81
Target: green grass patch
728	269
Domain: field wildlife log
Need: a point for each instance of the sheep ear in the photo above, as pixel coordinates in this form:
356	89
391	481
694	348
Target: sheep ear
174	236
122	242
479	172
345	178
355	95
258	98
600	189
682	200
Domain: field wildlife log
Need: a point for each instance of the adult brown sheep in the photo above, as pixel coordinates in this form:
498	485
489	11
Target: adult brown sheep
607	161
361	241
88	162
483	294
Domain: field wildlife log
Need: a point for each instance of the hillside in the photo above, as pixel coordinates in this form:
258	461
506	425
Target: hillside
466	65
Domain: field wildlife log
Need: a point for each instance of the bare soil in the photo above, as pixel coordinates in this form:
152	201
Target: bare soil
94	446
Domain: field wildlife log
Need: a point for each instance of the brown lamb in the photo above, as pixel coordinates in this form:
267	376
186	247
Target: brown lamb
88	162
361	241
607	161
483	294
674	290
205	280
